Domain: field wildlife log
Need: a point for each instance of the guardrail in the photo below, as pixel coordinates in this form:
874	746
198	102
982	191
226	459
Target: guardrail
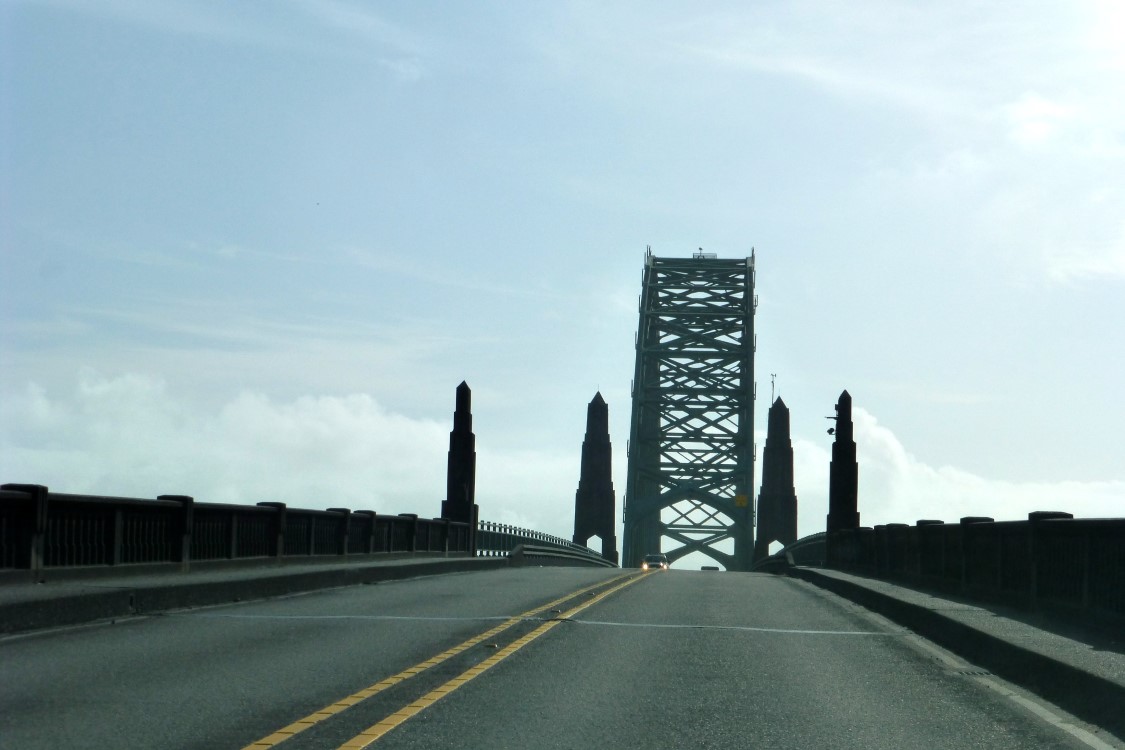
530	554
496	539
806	551
41	531
1051	559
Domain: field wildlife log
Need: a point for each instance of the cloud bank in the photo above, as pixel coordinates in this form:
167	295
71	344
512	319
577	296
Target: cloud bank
128	435
897	487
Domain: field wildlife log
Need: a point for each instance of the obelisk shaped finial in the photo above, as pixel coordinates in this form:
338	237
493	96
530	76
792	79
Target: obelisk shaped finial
594	502
461	473
843	474
777	501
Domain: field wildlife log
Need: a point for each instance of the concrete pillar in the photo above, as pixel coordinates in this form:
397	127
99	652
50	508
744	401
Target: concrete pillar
369	537
31	525
342	529
594	502
777	501
843	479
185	528
277	547
461	473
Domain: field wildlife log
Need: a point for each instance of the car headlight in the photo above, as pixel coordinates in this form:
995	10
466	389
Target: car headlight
644	566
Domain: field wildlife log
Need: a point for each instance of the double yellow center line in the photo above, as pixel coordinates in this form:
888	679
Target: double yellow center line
369	735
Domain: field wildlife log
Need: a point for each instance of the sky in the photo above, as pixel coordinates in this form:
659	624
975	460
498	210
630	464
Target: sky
251	249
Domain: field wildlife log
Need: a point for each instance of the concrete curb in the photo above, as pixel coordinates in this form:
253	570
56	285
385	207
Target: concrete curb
109	600
1092	698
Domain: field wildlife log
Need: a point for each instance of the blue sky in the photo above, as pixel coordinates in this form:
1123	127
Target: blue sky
250	249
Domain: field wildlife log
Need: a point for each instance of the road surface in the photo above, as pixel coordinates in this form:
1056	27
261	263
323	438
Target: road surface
517	658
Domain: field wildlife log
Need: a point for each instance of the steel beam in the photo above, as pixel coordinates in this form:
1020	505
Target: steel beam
691	445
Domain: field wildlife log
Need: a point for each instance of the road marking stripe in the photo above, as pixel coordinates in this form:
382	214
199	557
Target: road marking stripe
380	728
1042	710
389	618
1046	714
331	710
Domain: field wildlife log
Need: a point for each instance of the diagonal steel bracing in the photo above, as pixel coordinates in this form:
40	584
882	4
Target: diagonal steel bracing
691	444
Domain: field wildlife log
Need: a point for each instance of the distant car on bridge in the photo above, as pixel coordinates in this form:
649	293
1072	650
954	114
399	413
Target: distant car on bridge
655	562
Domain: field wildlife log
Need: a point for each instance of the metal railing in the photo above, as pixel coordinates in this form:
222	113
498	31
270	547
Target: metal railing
500	540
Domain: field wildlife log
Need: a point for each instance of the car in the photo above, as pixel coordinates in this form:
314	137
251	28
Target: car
655	562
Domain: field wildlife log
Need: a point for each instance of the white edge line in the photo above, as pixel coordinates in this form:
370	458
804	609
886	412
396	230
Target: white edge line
1049	716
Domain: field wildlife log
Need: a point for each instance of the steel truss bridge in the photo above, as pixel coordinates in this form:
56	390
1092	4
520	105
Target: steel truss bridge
691	446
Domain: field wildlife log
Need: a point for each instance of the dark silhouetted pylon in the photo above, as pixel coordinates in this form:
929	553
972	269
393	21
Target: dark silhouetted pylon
843	474
461	476
777	501
594	502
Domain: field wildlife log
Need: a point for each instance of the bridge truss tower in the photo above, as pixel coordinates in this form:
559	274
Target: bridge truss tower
691	445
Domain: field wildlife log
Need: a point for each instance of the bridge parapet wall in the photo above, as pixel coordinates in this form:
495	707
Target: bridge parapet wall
43	532
1052	559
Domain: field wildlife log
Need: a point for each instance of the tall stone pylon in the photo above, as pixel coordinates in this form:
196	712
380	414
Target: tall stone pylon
461	475
594	502
843	473
777	501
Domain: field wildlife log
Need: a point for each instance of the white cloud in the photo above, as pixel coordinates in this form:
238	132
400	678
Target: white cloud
1076	264
372	37
406	50
1107	32
1034	119
839	77
896	487
529	488
1005	122
127	435
358	20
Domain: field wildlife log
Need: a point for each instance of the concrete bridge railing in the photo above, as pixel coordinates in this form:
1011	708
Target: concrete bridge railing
43	532
47	534
1051	559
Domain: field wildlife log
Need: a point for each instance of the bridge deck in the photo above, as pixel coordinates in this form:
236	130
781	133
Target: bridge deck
28	606
1077	664
1079	667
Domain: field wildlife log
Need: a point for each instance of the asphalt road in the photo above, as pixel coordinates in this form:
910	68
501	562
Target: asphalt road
663	660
